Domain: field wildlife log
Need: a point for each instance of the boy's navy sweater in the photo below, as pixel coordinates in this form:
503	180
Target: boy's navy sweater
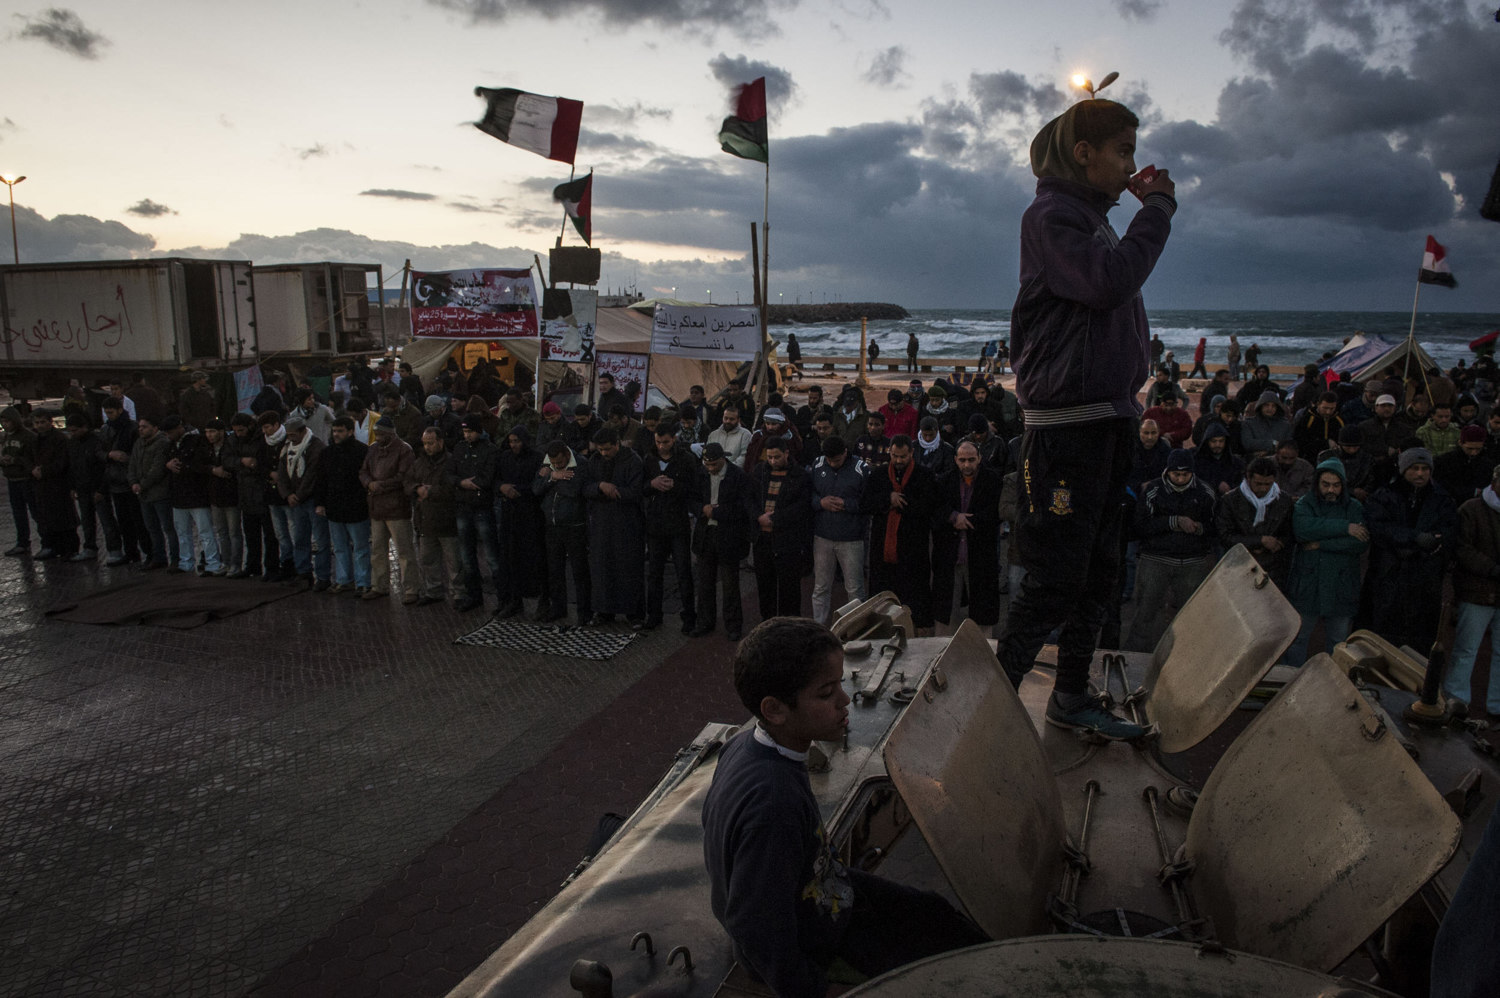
1079	340
776	887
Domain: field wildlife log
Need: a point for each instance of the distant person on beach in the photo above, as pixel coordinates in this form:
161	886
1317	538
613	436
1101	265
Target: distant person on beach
1252	355
1199	353
1078	392
1234	357
912	347
794	352
1157	346
873	350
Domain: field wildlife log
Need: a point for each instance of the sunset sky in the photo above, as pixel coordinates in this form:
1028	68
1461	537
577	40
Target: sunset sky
1315	144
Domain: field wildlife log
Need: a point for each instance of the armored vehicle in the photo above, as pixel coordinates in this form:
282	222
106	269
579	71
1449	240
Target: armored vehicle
1280	832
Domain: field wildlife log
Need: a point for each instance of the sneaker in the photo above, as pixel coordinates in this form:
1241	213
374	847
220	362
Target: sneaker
1092	719
239	574
46	554
87	554
116	558
19	551
372	594
321	586
338	587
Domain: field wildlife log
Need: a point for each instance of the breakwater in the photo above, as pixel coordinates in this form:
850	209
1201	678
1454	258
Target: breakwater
840	311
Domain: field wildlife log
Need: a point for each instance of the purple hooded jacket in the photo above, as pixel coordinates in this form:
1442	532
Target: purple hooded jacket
1079	339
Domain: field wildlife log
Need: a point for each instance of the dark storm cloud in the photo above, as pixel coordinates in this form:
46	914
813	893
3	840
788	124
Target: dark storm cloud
397	194
888	68
147	208
63	30
1138	10
602	143
76	237
1011	93
732	72
750	18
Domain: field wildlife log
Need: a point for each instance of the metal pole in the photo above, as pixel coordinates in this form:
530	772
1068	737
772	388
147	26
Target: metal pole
15	244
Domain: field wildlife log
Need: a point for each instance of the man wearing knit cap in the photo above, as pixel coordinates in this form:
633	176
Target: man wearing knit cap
1174	518
1465	471
1079	343
550	427
1413	526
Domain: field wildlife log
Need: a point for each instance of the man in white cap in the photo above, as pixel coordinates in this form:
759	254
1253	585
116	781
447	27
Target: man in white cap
775	426
1385	432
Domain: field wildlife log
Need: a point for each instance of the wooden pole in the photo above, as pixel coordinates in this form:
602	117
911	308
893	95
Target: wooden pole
861	380
757	384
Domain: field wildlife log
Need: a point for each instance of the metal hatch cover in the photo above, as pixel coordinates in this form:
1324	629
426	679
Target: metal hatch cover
1096	967
1222	641
1315	826
969	765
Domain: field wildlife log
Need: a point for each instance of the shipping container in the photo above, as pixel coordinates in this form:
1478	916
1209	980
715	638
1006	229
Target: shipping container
82	320
318	309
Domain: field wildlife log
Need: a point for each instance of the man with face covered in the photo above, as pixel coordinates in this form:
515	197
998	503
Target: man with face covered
1175	521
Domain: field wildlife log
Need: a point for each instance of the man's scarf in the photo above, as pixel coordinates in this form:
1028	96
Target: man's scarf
893	518
296	456
1260	504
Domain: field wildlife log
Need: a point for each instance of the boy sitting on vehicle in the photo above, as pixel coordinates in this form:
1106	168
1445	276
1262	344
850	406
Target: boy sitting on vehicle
778	887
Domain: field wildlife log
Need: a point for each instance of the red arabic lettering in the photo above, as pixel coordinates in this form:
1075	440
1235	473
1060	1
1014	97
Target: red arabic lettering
110	330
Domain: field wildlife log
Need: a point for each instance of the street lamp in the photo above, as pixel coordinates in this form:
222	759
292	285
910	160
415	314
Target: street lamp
10	184
710	294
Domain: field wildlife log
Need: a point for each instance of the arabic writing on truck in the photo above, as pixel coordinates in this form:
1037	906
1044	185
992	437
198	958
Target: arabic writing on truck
91	329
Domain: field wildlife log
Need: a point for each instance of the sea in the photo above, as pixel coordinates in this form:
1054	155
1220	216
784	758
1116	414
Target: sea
1284	337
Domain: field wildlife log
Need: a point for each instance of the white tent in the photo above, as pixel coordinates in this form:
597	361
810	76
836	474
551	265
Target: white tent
1366	356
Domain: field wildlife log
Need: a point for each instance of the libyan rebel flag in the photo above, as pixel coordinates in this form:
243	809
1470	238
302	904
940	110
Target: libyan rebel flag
743	133
1435	266
577	197
547	126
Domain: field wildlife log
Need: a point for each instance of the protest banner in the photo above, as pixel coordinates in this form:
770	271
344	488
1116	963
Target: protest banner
706	332
247	385
626	367
570	338
474	304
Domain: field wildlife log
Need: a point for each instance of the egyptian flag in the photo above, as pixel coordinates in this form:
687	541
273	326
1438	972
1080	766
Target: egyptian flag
743	133
547	126
1435	266
577	197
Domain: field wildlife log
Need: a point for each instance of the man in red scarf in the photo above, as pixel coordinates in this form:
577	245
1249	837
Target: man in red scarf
902	498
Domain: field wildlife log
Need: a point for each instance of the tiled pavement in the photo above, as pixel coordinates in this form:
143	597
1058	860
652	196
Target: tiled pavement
320	796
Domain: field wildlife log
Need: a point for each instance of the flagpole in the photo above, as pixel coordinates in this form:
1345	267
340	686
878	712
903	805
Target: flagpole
1411	341
765	282
572	172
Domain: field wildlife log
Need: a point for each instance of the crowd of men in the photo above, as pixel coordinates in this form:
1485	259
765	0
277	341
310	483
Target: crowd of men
1348	496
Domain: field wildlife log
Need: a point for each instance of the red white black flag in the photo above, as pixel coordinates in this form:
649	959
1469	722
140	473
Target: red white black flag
743	133
547	126
577	197
1435	266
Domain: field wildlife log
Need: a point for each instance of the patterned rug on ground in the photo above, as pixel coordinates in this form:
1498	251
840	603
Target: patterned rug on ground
550	639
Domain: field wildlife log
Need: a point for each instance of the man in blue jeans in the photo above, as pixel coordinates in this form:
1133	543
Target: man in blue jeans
297	476
472	474
189	463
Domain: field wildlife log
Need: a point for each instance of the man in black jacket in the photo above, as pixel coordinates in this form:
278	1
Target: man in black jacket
782	530
966	570
472	473
669	473
902	501
121	507
724	509
1174	519
188	463
559	486
614	485
86	464
343	500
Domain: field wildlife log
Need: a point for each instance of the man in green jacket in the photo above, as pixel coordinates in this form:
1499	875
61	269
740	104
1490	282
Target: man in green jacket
1328	526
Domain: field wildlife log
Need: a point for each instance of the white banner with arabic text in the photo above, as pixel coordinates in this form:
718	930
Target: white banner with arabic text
706	332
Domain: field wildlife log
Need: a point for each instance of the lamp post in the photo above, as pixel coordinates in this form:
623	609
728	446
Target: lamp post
10	184
710	294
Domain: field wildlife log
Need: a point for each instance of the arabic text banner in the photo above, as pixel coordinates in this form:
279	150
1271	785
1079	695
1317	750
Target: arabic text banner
626	367
473	304
706	332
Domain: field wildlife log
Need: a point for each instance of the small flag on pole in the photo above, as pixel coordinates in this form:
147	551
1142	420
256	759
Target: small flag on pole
743	133
1435	266
547	126
577	197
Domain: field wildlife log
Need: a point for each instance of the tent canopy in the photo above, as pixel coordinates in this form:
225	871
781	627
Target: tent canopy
619	330
1365	356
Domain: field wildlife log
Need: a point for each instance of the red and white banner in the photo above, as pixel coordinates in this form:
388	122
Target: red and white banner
474	304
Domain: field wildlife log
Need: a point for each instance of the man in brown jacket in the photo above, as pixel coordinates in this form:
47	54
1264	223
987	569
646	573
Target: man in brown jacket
435	519
1476	585
387	464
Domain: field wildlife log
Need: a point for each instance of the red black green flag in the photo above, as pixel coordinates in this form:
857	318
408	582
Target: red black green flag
743	133
577	197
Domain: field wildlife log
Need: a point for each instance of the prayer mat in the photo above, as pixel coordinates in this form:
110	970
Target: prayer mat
177	601
550	639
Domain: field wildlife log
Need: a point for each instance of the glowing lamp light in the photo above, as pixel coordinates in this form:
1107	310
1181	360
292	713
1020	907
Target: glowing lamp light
1084	83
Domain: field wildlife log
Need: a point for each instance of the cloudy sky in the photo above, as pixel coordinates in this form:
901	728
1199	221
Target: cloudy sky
1315	143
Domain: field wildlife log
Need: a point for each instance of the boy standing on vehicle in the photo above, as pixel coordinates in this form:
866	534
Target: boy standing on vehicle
776	882
1081	351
